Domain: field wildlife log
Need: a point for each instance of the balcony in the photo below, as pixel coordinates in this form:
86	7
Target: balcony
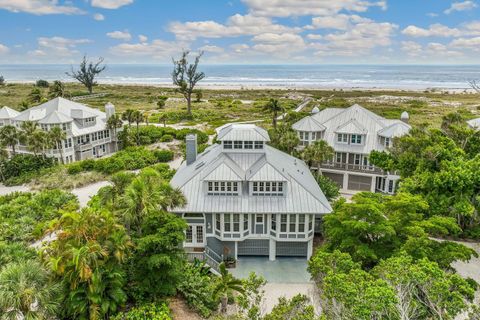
352	167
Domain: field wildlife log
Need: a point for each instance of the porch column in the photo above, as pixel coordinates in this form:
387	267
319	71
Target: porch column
374	182
309	248
236	250
272	252
345	181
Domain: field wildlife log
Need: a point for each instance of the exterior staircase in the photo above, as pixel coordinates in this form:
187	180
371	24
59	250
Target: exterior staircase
212	259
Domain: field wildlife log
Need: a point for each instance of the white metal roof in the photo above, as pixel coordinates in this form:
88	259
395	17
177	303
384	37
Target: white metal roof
474	123
241	132
8	113
308	124
358	120
302	193
60	110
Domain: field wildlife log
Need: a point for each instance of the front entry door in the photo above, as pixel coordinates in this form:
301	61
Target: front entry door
259	224
195	236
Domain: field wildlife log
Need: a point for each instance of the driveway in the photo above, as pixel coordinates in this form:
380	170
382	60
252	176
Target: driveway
286	277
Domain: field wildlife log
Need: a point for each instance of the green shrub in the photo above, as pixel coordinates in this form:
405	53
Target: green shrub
164	169
164	155
198	290
74	168
166	138
42	83
152	311
329	187
88	164
23	167
202	137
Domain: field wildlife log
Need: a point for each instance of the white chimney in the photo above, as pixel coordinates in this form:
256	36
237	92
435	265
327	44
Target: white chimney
191	146
109	109
405	117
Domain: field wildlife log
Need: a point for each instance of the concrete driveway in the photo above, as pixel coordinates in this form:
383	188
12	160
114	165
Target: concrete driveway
286	277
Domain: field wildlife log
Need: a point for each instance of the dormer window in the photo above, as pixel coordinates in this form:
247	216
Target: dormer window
237	144
267	188
223	188
342	138
248	144
227	144
258	144
356	139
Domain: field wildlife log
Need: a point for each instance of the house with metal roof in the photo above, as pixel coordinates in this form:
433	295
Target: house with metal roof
246	198
353	133
474	123
85	127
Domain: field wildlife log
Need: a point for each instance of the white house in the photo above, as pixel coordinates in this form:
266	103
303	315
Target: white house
246	198
353	133
85	127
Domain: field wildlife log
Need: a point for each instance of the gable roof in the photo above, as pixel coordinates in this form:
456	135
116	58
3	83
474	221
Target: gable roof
308	124
241	132
302	194
60	110
357	120
351	126
8	113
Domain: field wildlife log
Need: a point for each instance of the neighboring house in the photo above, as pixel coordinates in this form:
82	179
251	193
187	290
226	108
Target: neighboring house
6	115
474	123
353	133
85	127
245	198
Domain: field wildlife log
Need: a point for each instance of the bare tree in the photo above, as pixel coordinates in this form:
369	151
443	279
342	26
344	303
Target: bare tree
185	76
475	85
87	72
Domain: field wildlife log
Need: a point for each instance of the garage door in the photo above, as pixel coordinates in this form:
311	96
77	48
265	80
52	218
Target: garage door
253	247
292	249
360	183
335	177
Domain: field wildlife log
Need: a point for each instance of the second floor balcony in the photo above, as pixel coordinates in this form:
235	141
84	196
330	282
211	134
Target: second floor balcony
364	168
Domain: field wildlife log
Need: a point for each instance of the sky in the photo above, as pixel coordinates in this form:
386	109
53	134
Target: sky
242	31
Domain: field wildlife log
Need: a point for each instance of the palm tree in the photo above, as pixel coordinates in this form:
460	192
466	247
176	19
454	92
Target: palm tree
137	117
318	152
3	158
27	130
274	107
9	136
163	117
128	116
26	292
57	89
56	135
38	142
113	123
35	96
227	284
146	193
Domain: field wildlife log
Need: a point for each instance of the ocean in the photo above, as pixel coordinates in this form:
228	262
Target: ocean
417	77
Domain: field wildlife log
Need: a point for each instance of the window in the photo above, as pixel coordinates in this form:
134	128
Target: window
218	223
237	144
236	223
342	138
258	144
226	188
248	144
310	223
387	142
301	223
259	218
356	159
245	222
260	188
274	222
356	139
293	222
340	157
227	144
226	223
283	223
390	186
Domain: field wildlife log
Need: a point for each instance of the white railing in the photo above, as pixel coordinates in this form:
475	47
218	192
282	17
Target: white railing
212	259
